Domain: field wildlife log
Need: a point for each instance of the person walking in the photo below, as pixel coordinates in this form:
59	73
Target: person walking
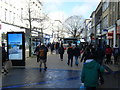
4	59
76	54
52	48
116	53
61	51
108	52
43	56
37	51
90	73
56	47
86	52
99	54
70	54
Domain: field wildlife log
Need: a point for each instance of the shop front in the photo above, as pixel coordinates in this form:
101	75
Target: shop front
118	36
109	36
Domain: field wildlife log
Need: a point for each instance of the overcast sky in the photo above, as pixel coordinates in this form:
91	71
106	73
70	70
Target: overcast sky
60	9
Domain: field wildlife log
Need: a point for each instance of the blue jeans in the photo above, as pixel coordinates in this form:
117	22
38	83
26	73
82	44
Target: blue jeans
76	60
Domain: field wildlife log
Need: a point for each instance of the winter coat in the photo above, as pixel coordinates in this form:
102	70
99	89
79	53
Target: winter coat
45	52
85	55
108	51
116	51
70	51
37	50
90	73
99	54
52	46
4	55
61	50
76	51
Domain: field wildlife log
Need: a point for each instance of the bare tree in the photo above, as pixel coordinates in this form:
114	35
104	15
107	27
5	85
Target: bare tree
74	25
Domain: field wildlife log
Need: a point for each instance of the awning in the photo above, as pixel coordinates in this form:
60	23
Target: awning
110	34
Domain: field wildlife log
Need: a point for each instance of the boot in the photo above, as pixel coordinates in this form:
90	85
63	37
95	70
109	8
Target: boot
45	68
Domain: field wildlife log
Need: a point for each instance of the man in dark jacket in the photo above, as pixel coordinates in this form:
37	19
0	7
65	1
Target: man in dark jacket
76	54
99	54
52	47
70	54
43	56
61	52
85	54
116	53
36	51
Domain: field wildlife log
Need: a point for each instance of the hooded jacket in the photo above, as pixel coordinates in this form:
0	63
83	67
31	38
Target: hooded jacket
90	73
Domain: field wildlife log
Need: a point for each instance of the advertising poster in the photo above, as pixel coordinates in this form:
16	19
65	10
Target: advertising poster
15	46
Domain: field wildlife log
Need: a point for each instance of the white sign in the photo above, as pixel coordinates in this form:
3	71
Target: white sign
118	22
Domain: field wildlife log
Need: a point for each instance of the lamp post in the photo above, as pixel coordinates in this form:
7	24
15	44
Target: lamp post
30	32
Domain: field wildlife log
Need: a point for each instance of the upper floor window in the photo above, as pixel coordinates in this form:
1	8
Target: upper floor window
105	5
105	22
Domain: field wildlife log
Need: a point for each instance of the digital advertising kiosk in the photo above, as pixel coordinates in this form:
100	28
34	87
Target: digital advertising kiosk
16	48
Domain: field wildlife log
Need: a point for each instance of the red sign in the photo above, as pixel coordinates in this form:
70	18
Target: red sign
118	30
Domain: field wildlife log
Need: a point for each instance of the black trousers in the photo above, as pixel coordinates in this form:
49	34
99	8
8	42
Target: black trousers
37	58
61	56
70	59
108	57
115	59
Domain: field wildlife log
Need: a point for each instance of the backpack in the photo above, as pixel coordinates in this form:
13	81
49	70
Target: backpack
42	53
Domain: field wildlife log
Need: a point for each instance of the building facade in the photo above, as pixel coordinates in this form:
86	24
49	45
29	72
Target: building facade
16	16
107	30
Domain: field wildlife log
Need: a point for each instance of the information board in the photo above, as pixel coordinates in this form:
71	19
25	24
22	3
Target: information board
16	48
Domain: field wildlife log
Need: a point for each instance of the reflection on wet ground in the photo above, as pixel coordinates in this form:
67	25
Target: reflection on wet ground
52	78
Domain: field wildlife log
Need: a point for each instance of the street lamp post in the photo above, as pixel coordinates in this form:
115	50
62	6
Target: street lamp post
30	33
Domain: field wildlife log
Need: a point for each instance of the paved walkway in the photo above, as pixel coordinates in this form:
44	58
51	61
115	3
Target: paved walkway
58	75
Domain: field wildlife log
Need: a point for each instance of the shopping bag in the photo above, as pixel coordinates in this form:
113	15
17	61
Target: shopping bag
82	87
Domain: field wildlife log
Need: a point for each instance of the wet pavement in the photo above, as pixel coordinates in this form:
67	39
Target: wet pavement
58	75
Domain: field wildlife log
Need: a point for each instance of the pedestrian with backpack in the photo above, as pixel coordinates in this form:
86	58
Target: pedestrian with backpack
116	53
90	73
43	56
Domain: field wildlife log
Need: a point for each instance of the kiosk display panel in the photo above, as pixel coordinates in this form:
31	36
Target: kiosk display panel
16	48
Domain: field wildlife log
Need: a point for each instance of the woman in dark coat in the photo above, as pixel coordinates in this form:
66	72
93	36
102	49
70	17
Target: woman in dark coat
61	52
76	54
4	59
